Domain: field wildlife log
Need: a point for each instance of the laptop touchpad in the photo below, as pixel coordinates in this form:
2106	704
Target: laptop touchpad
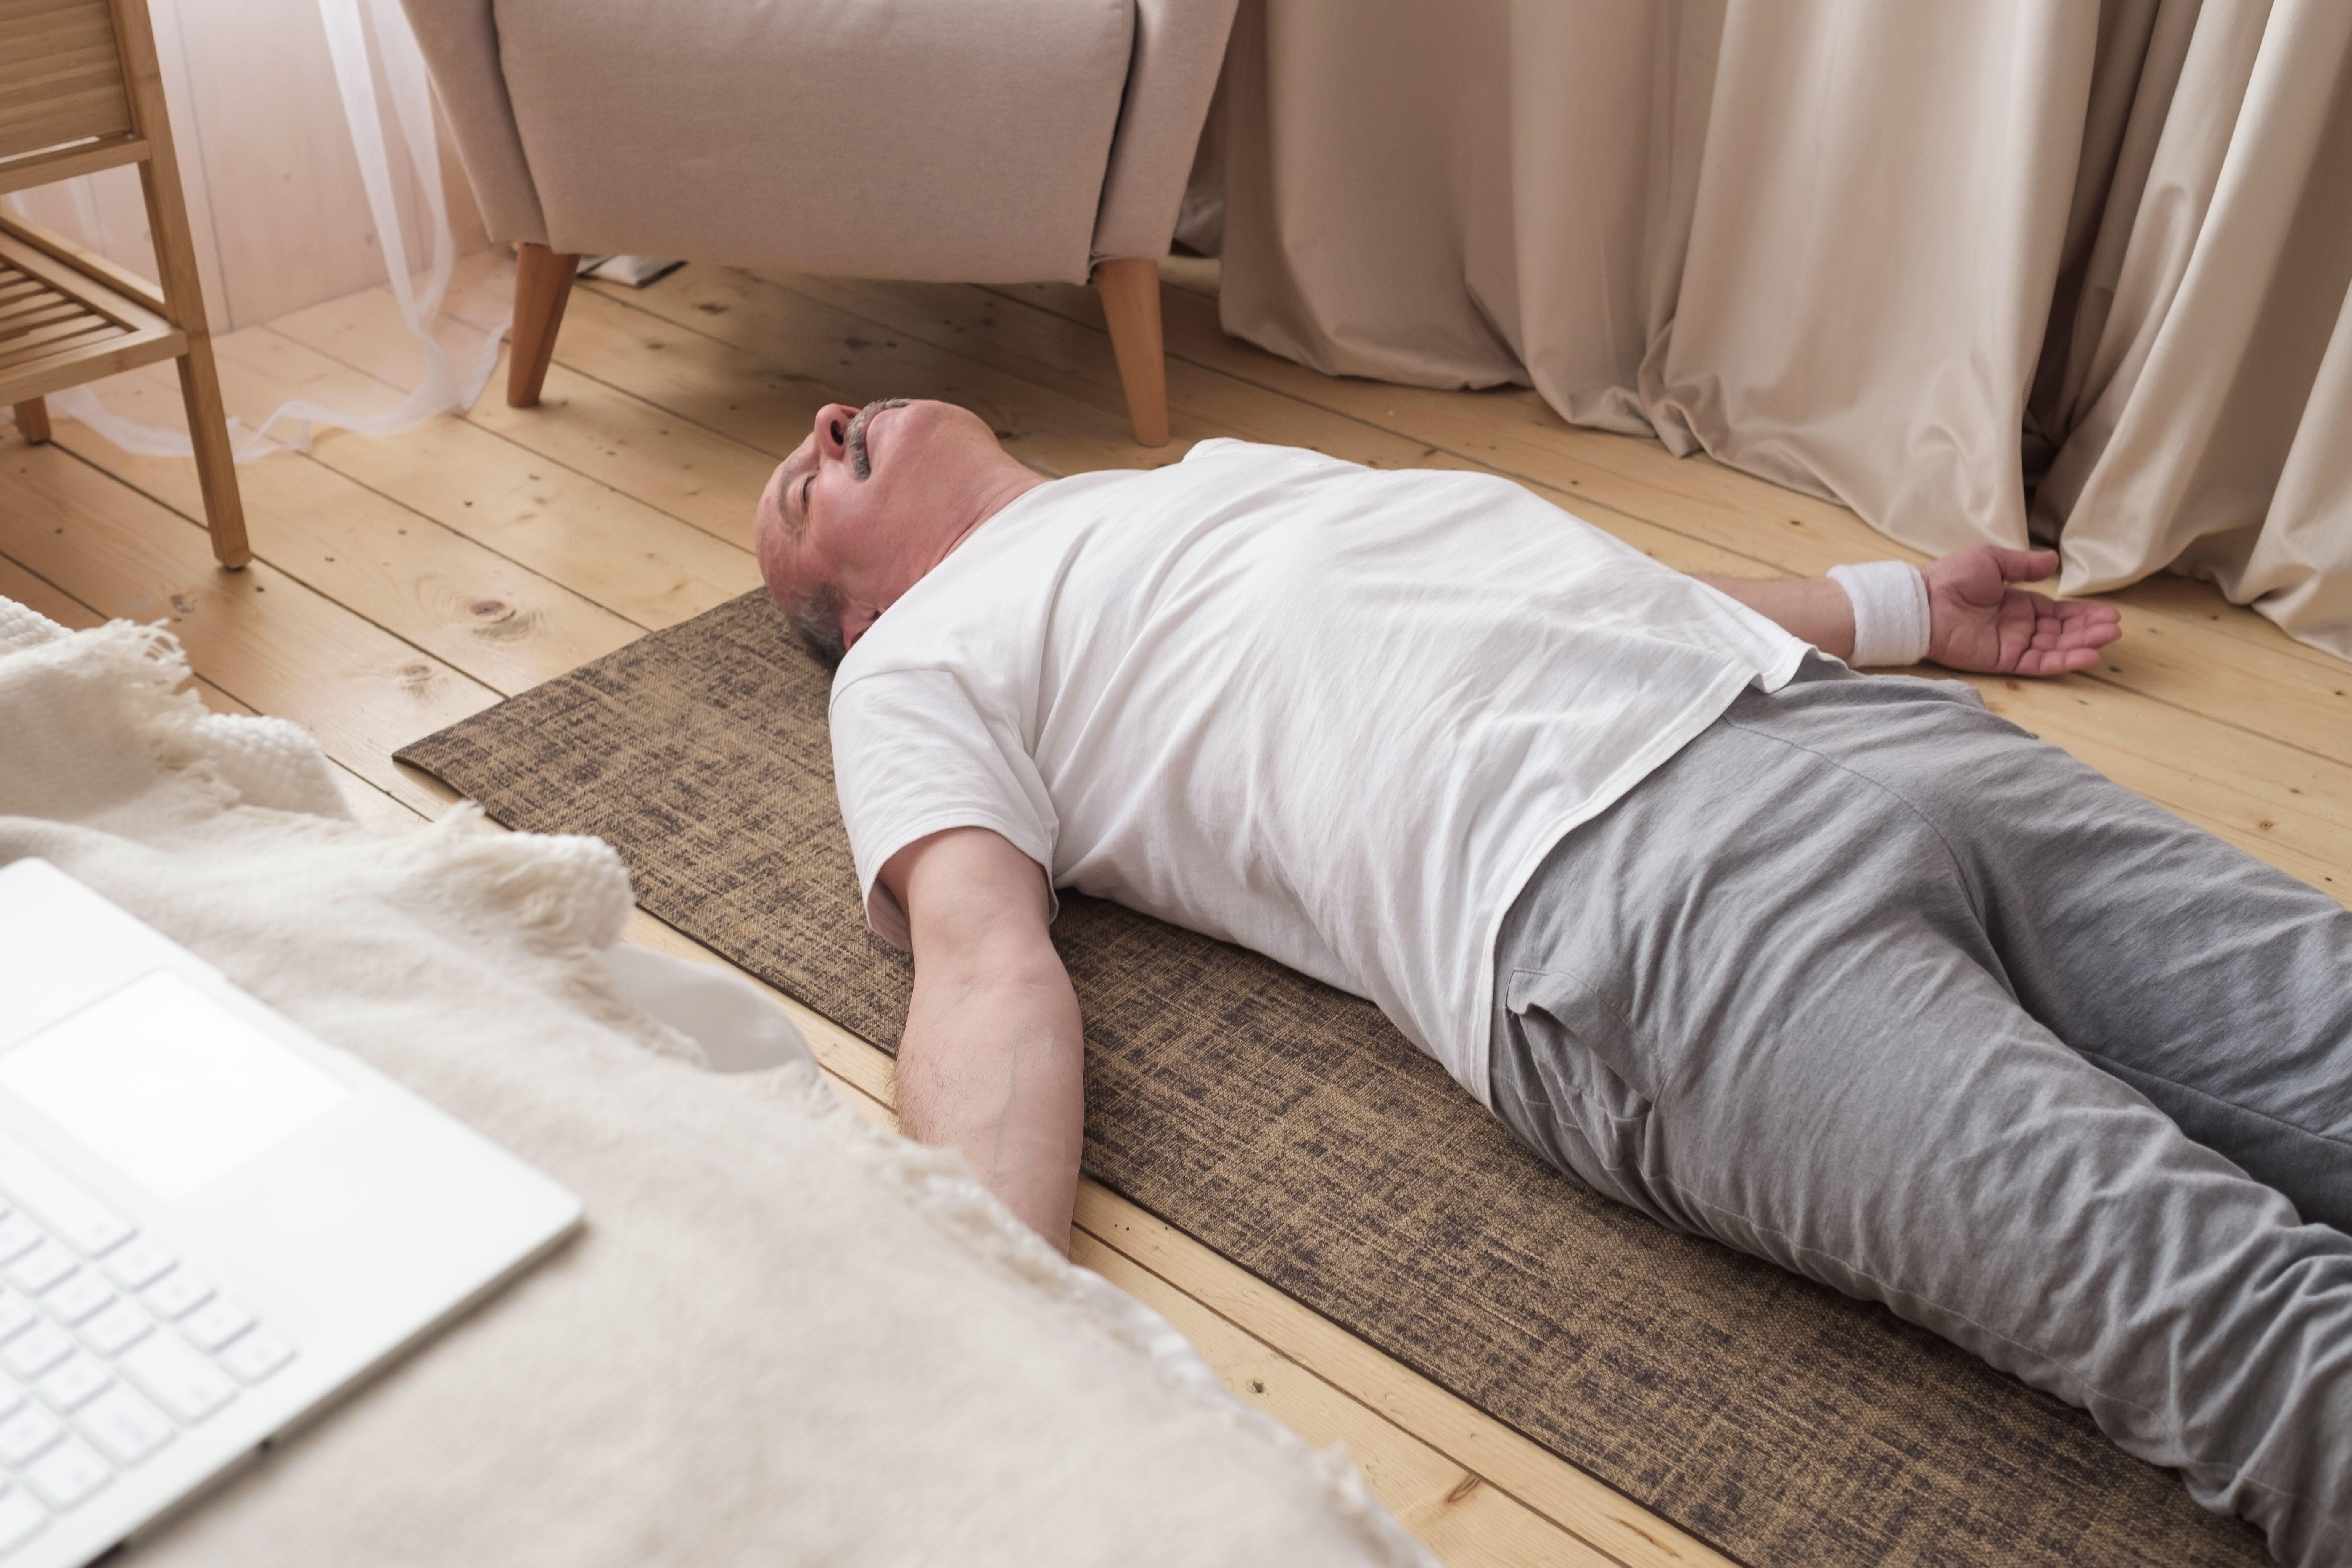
168	1085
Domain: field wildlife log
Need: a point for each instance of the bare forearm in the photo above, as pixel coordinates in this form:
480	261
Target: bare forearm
1813	608
992	1065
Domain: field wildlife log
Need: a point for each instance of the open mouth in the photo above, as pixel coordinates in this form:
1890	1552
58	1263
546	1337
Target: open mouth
861	463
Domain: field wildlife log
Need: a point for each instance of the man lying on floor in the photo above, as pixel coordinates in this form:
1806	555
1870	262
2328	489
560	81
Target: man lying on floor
1844	972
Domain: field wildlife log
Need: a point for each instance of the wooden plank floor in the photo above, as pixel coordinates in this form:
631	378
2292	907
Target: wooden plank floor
401	583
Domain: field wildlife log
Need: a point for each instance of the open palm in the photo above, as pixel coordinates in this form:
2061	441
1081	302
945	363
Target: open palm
1978	621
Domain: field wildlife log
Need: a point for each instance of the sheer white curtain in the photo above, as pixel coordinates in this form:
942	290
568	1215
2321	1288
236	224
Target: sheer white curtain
304	210
1977	270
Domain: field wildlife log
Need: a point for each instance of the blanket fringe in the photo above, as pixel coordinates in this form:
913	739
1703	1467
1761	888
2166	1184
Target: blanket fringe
240	759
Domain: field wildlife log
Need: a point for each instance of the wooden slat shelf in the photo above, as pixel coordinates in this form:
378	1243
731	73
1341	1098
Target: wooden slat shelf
59	328
61	77
80	91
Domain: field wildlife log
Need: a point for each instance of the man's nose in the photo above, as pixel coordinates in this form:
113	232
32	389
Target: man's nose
833	428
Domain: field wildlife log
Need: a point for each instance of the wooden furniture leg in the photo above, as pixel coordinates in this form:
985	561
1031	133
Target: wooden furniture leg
33	419
216	461
184	292
542	288
1129	286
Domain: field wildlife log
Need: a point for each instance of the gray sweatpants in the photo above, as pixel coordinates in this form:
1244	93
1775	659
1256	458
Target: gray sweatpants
1871	983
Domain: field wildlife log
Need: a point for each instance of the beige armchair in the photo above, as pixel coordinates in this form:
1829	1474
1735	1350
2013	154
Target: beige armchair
966	141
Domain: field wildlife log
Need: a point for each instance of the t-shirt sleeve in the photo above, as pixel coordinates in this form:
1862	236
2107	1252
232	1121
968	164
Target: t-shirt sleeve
914	753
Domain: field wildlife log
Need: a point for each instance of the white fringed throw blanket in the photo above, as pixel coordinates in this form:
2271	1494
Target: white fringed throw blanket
785	1337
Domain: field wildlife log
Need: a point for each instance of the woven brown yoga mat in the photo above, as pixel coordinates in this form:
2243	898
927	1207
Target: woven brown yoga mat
1291	1128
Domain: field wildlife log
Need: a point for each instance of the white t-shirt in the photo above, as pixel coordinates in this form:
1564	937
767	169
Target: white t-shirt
1333	713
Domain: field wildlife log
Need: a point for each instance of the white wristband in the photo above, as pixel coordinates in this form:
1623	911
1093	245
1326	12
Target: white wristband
1890	613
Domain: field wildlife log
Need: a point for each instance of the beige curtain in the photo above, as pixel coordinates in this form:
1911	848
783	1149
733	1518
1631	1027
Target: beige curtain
2206	385
1910	257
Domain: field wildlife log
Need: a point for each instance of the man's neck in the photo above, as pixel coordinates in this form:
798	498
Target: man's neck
1004	484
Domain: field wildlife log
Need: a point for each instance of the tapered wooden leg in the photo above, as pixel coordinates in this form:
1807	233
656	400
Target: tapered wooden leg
542	288
33	419
1129	286
183	293
215	464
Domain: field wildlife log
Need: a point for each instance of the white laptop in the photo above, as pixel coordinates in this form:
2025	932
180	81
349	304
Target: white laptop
210	1221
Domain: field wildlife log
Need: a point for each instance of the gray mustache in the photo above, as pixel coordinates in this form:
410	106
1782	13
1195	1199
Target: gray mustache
860	466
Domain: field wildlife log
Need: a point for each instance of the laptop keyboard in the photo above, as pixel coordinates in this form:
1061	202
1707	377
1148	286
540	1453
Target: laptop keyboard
110	1346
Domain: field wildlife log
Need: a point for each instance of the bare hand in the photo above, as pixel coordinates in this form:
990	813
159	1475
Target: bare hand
1976	621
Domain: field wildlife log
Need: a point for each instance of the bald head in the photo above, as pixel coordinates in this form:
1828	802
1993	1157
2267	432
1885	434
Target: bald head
869	502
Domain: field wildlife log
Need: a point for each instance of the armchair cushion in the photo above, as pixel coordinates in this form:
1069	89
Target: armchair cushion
459	39
948	140
1180	47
